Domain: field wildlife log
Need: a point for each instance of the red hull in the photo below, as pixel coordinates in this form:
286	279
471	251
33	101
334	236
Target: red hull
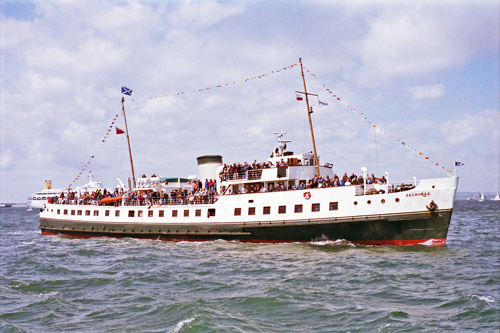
405	242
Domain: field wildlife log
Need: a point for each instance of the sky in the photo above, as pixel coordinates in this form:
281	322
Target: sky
410	87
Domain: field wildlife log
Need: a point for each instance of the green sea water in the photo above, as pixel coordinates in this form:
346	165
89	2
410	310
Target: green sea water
56	283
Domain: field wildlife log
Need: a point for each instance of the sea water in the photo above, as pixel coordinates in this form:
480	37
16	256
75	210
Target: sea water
58	283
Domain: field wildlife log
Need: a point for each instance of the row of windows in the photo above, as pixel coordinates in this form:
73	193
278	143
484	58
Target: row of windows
131	213
315	207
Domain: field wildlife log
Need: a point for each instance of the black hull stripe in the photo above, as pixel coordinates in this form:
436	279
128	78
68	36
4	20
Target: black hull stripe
384	228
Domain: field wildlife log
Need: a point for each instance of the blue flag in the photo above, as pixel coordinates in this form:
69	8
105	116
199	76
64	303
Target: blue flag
458	163
126	91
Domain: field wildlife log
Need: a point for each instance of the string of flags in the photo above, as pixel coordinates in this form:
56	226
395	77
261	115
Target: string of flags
128	92
360	114
125	91
87	164
224	84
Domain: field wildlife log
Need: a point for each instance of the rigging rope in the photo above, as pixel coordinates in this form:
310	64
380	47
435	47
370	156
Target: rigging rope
360	114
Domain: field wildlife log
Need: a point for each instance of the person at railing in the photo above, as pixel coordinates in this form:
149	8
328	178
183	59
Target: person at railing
346	181
382	180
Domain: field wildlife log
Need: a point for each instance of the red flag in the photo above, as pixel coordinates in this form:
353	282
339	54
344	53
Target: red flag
119	131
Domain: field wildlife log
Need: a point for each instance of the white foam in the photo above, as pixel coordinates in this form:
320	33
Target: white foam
487	299
181	324
432	242
335	242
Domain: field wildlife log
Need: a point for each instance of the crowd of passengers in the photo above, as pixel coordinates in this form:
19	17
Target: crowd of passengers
316	182
242	170
199	194
207	193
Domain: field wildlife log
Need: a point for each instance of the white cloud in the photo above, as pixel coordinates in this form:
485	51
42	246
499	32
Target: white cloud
6	159
418	93
410	42
469	126
196	15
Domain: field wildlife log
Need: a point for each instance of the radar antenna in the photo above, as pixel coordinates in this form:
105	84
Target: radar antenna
281	143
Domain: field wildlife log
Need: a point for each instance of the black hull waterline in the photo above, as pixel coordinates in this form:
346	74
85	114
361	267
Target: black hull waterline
391	229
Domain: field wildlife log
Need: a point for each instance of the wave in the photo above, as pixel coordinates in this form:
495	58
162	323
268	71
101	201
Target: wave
487	299
181	324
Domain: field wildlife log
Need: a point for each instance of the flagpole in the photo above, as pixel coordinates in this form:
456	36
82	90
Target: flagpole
309	111
128	140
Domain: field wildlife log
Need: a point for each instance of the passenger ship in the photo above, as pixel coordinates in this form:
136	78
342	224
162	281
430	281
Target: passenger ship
40	199
268	205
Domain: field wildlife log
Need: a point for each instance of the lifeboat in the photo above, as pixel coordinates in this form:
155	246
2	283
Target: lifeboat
111	200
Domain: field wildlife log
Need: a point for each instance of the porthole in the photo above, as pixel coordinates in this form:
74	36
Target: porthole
369	202
397	199
382	201
355	203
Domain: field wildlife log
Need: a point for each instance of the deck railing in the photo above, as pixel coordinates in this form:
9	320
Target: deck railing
142	202
254	174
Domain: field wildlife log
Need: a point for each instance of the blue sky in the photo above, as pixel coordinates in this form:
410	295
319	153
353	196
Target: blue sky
424	72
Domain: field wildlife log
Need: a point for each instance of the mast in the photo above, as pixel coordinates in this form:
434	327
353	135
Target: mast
128	140
309	111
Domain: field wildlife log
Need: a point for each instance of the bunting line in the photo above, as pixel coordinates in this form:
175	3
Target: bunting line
360	114
227	84
92	157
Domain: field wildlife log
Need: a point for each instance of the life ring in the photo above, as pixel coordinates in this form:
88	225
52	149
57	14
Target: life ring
307	195
432	206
